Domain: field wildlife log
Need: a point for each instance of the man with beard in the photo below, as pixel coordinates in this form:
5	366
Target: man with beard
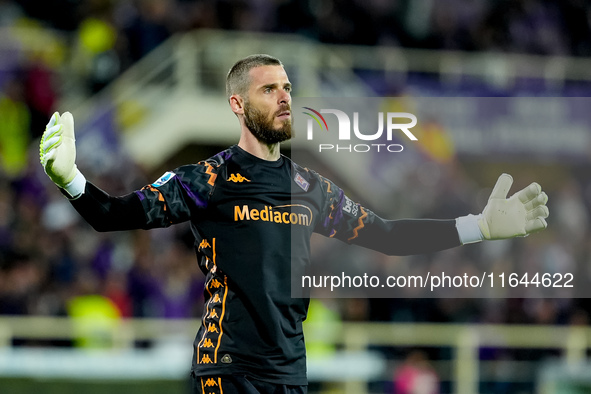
252	212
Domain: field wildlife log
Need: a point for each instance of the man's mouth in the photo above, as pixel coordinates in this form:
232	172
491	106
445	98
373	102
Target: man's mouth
284	115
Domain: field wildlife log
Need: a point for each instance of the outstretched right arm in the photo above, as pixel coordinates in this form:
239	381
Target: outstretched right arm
102	211
158	205
106	213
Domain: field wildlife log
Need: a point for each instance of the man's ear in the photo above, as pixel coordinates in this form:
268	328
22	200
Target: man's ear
237	104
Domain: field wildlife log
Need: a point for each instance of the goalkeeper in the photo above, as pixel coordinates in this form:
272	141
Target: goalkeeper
253	211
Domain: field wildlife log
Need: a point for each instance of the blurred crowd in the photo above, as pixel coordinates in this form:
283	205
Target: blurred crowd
106	36
50	258
549	27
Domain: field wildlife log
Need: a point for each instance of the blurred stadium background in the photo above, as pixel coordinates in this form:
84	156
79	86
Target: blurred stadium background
87	312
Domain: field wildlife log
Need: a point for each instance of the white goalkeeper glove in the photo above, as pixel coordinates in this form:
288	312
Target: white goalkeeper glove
519	215
57	153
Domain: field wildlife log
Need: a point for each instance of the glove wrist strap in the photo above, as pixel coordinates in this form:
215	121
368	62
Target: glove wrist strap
76	187
468	229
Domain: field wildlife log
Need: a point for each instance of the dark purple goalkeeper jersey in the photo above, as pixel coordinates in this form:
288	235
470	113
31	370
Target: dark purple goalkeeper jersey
252	220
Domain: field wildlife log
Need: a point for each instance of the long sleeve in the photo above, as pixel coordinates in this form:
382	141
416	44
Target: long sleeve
350	222
107	213
407	236
175	197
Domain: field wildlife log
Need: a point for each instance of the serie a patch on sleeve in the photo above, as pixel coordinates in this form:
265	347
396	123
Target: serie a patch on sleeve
164	178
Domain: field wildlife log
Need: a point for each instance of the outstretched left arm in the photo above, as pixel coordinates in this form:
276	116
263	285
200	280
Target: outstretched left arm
523	213
520	215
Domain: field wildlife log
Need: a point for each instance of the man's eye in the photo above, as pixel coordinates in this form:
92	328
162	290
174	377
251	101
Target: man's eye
288	89
268	90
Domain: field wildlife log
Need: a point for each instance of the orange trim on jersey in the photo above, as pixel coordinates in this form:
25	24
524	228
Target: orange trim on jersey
212	380
208	310
215	354
360	226
160	196
203	320
209	171
328	184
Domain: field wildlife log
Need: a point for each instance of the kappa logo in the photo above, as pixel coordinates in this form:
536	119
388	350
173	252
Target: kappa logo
210	382
215	283
237	178
206	359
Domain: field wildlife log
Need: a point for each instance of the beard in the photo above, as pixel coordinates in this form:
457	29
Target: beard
261	125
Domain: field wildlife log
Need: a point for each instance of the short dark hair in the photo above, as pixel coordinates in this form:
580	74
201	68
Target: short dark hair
238	79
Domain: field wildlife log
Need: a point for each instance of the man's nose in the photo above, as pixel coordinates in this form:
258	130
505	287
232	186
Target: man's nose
284	97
